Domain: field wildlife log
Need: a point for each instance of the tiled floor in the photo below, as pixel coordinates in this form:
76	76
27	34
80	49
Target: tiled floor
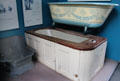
43	73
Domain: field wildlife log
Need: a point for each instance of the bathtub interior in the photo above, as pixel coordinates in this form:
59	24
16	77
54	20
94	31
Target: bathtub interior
62	35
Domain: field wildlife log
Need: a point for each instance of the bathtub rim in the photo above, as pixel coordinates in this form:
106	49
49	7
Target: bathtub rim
84	46
84	3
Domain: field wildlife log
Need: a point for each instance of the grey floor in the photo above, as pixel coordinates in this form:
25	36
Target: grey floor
42	73
116	74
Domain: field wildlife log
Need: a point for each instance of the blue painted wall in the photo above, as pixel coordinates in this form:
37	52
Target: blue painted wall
46	20
112	32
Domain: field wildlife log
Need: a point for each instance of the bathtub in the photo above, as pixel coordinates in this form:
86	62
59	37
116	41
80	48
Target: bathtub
82	14
74	55
62	35
87	14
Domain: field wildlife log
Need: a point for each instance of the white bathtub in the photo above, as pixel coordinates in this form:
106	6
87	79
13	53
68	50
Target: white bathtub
75	64
62	35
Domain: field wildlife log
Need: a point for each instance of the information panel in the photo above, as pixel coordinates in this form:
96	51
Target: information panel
32	10
8	15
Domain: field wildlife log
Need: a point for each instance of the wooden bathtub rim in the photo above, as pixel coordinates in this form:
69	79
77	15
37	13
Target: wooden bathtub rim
83	46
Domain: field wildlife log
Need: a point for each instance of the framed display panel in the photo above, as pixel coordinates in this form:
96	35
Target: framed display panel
32	10
8	15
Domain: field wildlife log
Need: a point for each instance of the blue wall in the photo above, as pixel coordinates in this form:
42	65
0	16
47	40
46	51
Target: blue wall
112	32
46	20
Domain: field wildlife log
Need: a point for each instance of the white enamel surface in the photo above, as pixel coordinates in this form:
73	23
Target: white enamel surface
62	35
67	61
